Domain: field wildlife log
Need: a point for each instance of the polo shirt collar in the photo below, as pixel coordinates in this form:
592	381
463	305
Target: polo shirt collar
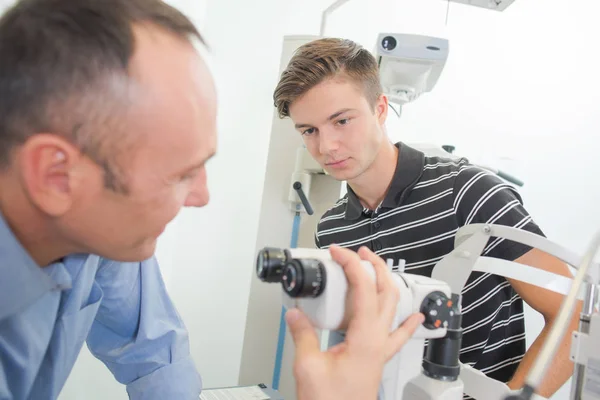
22	281
409	169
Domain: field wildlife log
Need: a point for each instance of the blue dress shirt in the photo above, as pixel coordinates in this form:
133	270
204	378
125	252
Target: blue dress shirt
122	310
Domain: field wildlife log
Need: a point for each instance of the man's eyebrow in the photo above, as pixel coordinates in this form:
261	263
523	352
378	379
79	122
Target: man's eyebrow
332	116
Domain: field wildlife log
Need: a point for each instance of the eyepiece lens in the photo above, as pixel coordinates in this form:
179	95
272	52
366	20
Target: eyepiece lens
269	264
304	278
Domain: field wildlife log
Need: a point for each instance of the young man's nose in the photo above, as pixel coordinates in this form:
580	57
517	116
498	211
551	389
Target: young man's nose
328	142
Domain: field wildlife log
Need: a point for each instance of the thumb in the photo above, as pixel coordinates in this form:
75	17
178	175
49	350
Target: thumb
303	333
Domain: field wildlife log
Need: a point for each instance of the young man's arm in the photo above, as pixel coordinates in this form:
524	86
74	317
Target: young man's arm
481	197
548	304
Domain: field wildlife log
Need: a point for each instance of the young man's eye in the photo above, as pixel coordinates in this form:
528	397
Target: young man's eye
344	121
309	131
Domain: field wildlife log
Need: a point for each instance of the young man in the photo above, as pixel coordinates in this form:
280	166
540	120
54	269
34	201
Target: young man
107	118
404	205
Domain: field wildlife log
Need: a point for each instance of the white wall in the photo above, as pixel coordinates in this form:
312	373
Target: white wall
215	252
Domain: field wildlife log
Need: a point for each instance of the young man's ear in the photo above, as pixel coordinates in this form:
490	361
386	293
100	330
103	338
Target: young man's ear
47	164
381	108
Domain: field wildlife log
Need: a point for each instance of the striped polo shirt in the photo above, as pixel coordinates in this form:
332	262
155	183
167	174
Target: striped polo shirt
429	199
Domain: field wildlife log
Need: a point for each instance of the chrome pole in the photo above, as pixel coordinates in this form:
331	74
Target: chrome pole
589	303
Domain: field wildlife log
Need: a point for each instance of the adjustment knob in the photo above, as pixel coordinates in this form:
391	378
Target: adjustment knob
437	309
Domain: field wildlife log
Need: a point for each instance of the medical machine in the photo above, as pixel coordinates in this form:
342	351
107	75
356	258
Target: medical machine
409	64
314	283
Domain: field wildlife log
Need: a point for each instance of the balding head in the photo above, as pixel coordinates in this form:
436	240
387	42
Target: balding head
65	71
107	119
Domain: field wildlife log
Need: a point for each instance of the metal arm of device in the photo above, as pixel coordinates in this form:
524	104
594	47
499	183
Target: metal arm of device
540	367
455	269
298	188
580	353
585	353
472	241
299	193
327	12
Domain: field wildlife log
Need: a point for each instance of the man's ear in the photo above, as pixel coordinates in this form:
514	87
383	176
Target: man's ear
47	167
381	109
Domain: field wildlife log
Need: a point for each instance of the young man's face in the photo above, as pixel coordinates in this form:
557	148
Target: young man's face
340	128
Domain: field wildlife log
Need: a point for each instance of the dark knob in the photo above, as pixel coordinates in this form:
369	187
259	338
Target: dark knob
437	309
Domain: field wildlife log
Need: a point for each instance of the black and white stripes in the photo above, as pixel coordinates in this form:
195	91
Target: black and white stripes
417	222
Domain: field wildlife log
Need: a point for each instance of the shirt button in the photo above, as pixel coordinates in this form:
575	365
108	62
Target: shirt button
377	224
378	246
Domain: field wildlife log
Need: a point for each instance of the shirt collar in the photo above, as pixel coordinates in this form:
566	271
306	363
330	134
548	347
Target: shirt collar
409	169
22	281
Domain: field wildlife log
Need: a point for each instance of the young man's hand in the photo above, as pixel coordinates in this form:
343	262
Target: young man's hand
352	369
